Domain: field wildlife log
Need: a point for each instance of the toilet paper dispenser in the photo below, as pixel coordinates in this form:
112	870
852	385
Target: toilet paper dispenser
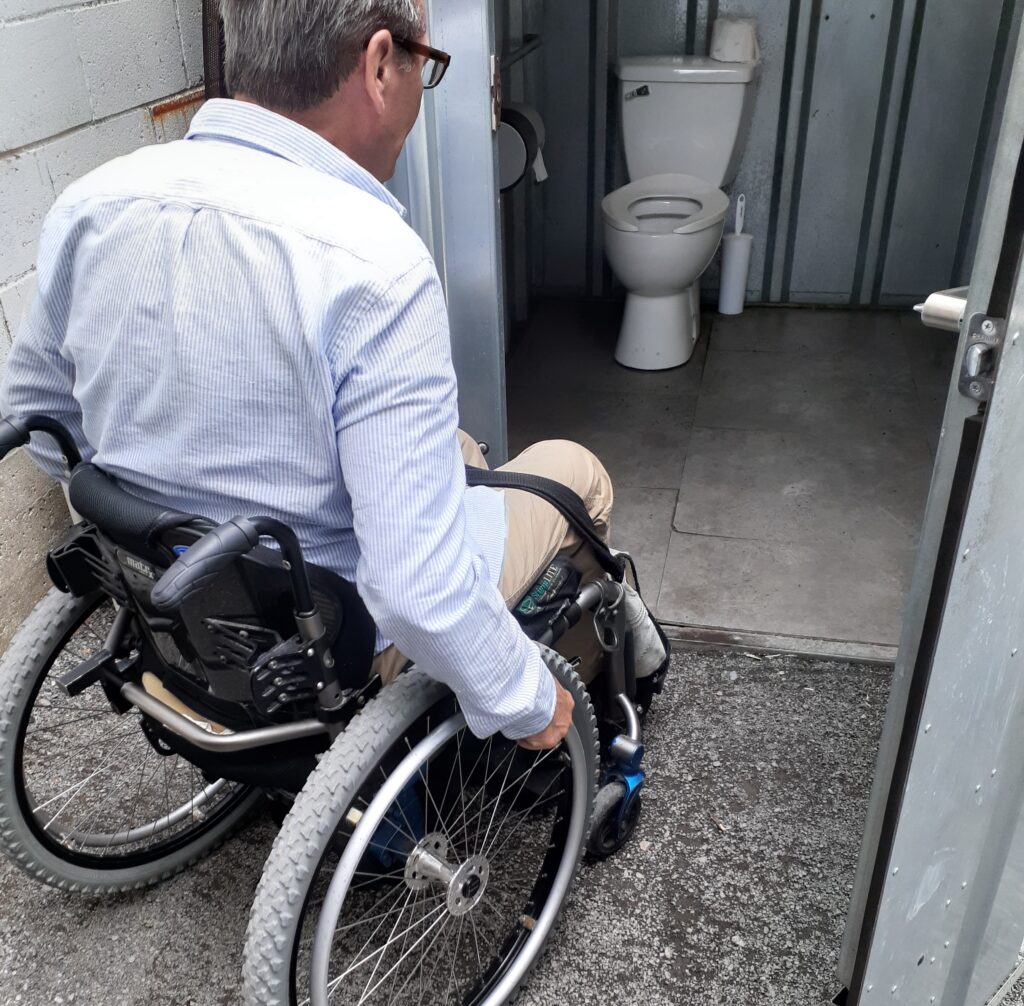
520	145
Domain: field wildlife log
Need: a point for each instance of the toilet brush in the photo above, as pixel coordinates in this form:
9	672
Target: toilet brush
736	248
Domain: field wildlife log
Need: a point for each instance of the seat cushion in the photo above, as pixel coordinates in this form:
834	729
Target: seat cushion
665	204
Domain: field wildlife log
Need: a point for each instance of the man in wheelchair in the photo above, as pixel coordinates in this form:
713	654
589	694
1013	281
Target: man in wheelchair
241	323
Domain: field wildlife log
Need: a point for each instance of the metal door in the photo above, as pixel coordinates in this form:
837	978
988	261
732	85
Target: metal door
447	177
937	914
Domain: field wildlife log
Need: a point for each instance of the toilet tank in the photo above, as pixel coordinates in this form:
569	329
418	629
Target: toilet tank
685	114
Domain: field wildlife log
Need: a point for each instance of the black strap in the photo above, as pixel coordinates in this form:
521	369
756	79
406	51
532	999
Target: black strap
563	499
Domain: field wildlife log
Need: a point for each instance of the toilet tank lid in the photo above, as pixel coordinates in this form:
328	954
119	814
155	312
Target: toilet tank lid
684	70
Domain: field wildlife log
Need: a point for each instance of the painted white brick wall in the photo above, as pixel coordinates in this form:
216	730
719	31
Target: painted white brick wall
81	82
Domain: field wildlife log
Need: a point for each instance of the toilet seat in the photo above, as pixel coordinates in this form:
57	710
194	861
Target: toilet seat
665	204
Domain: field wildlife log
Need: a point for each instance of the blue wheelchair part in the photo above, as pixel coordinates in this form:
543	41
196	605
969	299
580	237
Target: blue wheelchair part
634	783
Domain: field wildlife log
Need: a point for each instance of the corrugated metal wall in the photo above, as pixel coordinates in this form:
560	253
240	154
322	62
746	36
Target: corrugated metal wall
873	130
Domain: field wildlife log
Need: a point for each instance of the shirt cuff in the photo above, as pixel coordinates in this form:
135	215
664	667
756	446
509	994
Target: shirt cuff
539	715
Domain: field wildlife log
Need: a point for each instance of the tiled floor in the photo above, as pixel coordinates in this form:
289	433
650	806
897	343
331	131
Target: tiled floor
774	484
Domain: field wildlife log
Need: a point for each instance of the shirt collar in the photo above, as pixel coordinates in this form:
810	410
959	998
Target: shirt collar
258	127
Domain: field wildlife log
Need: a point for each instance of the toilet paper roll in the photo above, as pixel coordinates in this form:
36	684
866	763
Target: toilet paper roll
513	156
531	115
734	40
732	288
520	144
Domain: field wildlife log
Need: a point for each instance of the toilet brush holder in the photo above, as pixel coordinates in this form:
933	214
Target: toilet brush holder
732	290
736	248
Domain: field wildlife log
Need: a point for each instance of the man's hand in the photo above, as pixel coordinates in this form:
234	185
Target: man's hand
557	728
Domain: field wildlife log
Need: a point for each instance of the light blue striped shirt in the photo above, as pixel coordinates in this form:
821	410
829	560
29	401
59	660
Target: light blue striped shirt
242	323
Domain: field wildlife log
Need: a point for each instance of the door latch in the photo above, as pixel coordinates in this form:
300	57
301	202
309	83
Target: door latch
981	357
944	309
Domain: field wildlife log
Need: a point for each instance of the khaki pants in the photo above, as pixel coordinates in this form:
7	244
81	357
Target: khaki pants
536	532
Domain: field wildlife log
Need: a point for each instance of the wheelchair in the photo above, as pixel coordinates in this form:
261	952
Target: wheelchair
180	674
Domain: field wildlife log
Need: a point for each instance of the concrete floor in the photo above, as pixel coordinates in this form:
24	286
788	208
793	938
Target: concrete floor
734	889
775	483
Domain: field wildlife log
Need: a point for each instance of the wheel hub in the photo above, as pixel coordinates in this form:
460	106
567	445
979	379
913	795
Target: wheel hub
468	885
428	866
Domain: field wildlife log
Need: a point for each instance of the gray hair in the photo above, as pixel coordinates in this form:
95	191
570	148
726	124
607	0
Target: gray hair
292	54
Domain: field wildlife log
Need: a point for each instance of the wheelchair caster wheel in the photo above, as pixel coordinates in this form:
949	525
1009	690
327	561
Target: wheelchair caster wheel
611	830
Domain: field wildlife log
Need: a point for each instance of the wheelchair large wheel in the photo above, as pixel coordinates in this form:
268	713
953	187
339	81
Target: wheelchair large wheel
419	864
86	802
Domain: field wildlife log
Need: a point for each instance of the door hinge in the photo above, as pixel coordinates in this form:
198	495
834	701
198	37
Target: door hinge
982	347
495	92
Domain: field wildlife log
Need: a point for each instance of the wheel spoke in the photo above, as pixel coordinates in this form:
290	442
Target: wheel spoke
467	822
483	810
373	973
524	814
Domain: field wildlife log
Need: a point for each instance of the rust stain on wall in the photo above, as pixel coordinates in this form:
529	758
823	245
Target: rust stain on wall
171	118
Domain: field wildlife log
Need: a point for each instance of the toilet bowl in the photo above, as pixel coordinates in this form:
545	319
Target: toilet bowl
660	234
684	124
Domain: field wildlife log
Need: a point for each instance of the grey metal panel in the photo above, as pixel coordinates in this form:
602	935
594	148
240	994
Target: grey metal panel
704	17
467	205
949	86
757	168
971	217
514	204
957	409
786	165
966	778
866	136
602	89
889	131
651	27
839	123
1000	944
566	114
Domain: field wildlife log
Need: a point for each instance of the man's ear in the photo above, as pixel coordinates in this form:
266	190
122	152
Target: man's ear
378	66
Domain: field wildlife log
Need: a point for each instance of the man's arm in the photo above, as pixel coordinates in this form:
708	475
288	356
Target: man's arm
37	379
396	416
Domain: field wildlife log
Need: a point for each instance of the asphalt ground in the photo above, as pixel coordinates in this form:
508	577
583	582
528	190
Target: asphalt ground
733	891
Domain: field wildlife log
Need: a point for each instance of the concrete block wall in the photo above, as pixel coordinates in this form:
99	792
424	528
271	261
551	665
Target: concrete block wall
81	82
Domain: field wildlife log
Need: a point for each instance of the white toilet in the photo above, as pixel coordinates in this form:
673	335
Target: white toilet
684	121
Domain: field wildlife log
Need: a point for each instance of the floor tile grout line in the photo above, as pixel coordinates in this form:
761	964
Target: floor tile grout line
786	541
668	545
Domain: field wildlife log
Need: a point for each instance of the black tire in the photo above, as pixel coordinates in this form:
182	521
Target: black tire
42	648
310	835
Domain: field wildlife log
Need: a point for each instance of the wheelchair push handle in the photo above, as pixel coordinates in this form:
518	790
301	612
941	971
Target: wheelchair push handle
202	562
16	430
12	435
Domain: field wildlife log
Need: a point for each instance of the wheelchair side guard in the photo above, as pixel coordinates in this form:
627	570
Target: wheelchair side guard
281	682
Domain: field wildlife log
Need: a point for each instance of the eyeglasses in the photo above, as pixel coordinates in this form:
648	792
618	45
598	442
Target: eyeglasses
436	62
